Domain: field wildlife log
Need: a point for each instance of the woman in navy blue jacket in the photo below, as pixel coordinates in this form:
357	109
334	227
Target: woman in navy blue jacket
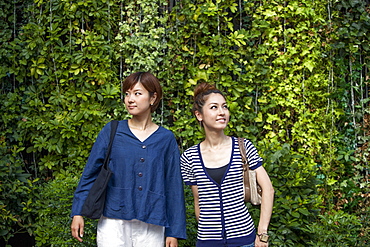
145	201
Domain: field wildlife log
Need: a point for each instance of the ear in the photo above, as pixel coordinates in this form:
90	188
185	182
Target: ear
198	115
153	98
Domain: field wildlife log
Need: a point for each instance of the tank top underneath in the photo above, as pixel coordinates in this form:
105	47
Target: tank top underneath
217	173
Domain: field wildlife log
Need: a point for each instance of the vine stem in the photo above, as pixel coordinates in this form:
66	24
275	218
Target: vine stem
352	94
14	35
52	50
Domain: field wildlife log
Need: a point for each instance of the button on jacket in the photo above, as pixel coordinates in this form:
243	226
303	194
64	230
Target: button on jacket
146	183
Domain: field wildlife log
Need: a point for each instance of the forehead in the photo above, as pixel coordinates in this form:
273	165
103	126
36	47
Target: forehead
137	87
215	98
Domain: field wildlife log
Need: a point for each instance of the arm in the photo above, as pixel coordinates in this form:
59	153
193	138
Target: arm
90	173
194	189
91	170
267	203
175	201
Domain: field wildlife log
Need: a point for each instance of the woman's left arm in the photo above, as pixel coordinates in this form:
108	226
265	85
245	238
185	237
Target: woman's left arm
175	201
264	181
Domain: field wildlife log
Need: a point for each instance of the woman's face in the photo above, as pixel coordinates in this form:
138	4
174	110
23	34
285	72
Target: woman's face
138	100
215	113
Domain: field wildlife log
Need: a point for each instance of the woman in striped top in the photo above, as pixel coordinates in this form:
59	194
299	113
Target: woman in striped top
213	169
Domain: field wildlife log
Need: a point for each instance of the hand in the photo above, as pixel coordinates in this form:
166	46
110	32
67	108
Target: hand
259	243
77	227
171	242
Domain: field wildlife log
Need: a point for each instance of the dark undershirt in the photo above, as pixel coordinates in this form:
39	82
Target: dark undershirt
217	173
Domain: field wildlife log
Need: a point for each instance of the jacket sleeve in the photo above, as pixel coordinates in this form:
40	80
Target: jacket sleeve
91	170
175	202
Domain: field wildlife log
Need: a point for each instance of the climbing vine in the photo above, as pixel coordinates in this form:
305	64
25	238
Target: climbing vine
296	76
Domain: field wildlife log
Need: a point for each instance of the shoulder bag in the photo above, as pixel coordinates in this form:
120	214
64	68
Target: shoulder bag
95	201
252	191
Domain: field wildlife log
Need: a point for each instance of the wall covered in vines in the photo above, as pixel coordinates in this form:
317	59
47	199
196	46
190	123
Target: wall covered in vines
296	75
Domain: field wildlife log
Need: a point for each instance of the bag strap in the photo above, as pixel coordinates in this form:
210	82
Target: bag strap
113	129
243	153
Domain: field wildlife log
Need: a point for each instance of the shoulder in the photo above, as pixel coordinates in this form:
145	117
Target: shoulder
247	142
192	151
166	132
105	131
163	134
192	148
120	124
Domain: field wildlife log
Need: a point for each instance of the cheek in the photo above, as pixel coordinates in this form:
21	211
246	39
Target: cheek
228	116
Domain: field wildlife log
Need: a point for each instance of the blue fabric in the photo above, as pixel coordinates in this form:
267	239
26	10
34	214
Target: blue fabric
235	242
248	245
146	183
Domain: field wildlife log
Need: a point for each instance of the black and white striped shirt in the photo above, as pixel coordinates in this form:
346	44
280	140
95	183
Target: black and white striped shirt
224	219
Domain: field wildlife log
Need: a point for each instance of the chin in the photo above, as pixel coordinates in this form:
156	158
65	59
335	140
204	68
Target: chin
133	113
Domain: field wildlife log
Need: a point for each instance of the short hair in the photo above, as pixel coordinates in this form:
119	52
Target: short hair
149	82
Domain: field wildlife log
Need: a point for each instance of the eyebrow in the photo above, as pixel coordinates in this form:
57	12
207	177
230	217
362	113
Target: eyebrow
214	103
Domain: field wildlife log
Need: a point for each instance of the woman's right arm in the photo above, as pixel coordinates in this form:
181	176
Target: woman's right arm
194	189
91	171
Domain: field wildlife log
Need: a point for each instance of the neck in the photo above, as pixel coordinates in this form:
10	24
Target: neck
140	123
215	139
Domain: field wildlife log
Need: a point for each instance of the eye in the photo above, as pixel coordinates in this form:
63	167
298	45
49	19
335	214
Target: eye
213	107
137	93
226	107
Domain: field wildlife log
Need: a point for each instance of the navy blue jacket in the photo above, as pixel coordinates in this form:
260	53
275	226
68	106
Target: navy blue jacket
146	183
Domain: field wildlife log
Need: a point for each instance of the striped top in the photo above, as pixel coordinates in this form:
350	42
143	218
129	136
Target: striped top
224	219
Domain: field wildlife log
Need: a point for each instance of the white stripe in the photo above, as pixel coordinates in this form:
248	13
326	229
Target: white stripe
237	220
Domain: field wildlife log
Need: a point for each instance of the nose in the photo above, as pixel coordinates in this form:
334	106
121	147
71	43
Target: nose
129	98
221	111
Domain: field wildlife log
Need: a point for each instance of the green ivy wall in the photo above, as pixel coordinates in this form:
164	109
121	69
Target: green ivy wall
296	75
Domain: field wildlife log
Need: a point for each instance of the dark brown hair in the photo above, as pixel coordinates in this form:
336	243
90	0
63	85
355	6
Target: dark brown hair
201	94
149	82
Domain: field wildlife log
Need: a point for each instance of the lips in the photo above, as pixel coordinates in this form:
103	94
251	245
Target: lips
221	120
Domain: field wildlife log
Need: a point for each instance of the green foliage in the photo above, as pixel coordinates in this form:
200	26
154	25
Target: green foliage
295	74
345	183
191	222
59	90
293	177
141	37
336	228
17	191
53	215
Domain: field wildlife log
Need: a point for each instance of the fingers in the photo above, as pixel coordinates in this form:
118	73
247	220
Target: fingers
260	244
171	242
77	227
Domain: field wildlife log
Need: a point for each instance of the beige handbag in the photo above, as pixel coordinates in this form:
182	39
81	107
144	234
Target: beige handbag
252	191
